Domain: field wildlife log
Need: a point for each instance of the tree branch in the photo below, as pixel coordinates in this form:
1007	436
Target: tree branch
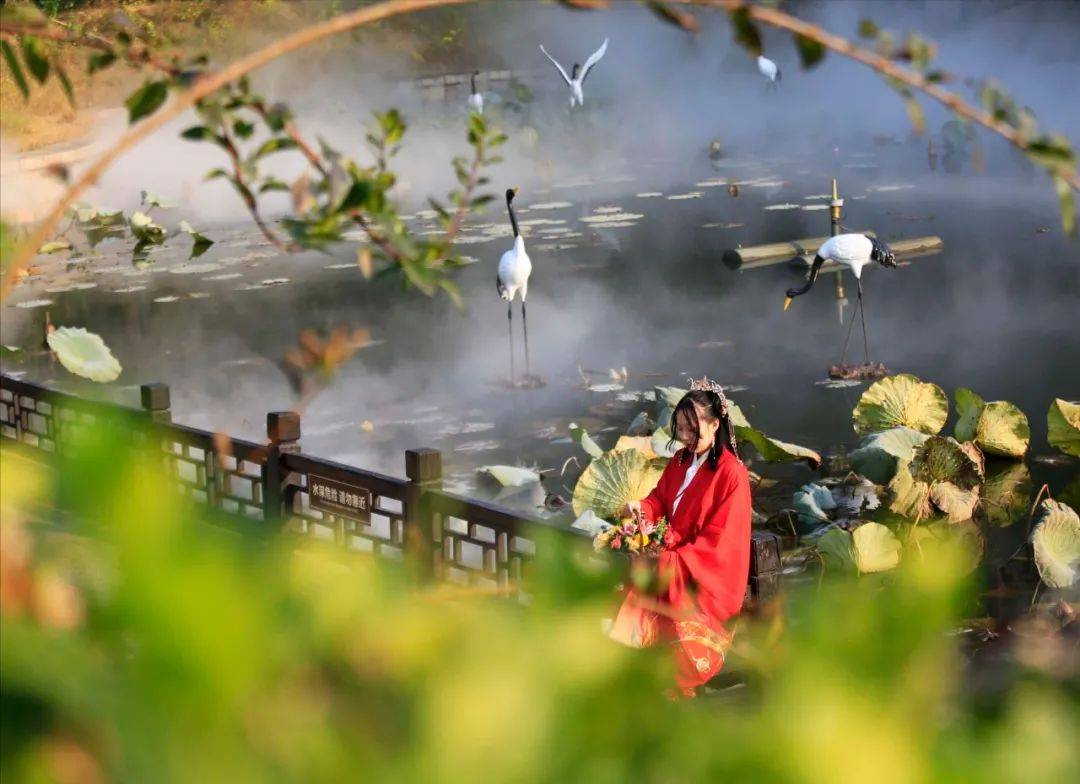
203	86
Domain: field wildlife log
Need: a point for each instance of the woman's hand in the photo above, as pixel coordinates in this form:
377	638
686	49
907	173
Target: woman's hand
632	510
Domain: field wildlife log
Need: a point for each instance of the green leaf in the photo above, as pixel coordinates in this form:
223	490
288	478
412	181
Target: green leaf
585	441
35	57
1063	426
868	29
243	129
100	61
775	451
613	480
197	133
23	15
146	100
837	549
276	144
811	52
746	32
1056	541
878	454
16	69
901	400
199	242
1067	201
914	112
84	354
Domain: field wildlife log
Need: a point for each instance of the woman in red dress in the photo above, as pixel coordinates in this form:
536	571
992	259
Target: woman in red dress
704	493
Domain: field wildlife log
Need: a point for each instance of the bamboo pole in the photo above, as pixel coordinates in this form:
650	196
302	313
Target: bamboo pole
805	249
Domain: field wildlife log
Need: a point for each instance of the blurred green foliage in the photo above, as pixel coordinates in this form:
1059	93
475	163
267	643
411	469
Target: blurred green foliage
143	642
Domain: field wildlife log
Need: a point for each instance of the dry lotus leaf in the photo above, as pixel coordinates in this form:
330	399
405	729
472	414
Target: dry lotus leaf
1063	426
998	428
510	476
943	459
1056	540
613	480
909	497
956	503
1005	494
84	354
642	444
901	401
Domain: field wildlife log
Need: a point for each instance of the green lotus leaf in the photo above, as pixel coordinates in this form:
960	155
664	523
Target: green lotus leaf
943	459
837	549
510	476
909	497
901	401
876	548
1005	494
1056	540
968	407
145	230
613	480
958	504
584	440
774	450
878	453
1003	430
1063	426
84	354
669	396
735	414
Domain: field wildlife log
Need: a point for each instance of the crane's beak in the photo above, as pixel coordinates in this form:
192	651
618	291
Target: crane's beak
787	302
516	191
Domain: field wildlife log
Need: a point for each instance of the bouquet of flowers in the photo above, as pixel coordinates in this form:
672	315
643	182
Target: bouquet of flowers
636	535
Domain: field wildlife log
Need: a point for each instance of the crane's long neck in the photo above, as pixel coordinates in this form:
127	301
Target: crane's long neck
513	217
472	81
814	269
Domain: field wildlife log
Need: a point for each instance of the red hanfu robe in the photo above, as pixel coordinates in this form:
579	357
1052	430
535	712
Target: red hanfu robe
702	570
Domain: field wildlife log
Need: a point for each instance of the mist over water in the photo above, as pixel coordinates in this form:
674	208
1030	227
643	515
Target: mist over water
995	310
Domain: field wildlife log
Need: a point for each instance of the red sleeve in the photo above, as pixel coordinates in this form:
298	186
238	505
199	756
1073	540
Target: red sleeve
713	566
654	505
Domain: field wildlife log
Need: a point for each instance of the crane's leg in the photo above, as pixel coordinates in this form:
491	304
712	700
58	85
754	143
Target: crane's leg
525	328
862	318
851	325
510	332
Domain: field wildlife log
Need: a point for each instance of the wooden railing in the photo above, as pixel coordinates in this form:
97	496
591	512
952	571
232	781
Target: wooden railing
278	486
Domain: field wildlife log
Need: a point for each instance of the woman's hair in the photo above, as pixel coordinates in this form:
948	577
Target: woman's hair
714	408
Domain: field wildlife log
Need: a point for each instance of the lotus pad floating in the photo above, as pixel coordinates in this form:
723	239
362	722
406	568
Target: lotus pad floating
84	354
1005	494
613	480
901	401
943	474
1063	426
585	441
510	476
999	428
1056	540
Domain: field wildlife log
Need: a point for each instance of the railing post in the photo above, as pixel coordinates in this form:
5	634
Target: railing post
279	484
156	401
423	467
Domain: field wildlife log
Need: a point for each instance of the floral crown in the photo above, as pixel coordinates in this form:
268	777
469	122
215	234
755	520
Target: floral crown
705	384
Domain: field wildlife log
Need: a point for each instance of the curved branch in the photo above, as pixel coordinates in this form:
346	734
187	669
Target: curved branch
775	18
203	87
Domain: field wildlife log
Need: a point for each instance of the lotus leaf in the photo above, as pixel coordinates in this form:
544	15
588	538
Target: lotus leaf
876	548
964	539
1005	494
660	440
584	440
909	497
510	476
669	396
968	407
641	443
901	400
84	354
145	230
776	451
54	247
943	459
1056	541
837	549
878	453
854	496
956	503
613	480
812	502
1063	426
